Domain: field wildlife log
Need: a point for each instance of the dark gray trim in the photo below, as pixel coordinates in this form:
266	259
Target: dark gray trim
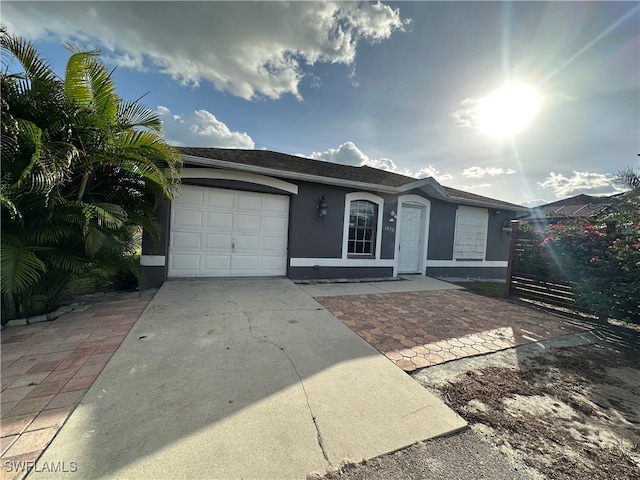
469	272
154	276
304	273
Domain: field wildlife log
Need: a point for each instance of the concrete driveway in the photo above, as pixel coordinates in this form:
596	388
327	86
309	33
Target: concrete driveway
246	378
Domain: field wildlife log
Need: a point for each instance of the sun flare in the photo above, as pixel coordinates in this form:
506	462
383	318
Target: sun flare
507	110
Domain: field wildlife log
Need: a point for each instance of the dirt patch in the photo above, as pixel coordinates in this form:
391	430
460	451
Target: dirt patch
573	413
570	413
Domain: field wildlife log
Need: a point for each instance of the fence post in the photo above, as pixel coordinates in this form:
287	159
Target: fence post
512	249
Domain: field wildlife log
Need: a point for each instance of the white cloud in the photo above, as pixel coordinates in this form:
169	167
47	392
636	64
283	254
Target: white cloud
534	202
250	49
349	154
201	129
430	171
479	172
593	183
475	187
467	113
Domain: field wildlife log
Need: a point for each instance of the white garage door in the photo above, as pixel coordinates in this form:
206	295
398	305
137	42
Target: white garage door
227	233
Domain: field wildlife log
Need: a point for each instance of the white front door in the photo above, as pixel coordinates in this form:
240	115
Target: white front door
411	230
218	233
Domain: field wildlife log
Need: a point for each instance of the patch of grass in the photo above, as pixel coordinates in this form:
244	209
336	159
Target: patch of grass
486	289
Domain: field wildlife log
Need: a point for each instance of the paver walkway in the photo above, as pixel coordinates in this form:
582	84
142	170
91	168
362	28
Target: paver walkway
420	329
48	367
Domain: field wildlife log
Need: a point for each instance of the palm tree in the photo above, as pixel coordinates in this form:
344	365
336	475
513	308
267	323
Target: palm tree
626	208
82	171
629	178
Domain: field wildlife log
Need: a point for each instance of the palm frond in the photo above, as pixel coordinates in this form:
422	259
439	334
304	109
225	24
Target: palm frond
105	214
76	84
36	69
20	268
6	201
105	100
133	114
62	260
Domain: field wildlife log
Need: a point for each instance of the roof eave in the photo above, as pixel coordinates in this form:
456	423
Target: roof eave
287	174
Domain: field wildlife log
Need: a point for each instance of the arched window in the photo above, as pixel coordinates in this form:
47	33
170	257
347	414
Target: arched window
363	216
362	225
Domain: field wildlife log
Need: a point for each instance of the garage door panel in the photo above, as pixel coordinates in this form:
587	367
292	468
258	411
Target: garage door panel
276	205
190	196
220	221
250	223
185	262
246	201
217	264
245	243
220	232
273	245
220	199
188	218
273	263
214	241
274	224
246	262
186	240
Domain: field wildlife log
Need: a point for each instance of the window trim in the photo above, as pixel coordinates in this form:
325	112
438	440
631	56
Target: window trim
478	211
350	197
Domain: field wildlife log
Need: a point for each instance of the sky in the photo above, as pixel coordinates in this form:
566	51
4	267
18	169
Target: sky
410	87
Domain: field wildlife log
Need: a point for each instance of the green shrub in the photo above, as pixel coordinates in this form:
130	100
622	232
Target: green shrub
603	267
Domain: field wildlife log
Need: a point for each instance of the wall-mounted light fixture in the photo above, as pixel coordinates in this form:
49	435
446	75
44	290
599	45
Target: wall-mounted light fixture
322	207
392	216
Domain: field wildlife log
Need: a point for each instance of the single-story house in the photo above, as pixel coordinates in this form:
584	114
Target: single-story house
263	213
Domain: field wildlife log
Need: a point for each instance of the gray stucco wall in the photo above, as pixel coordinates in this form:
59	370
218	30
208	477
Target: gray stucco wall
497	239
309	236
388	228
441	230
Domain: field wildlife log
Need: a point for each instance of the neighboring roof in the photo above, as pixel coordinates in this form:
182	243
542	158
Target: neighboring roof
274	163
454	192
577	206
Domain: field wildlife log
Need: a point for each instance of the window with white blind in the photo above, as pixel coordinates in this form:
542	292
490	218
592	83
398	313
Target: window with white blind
363	217
362	232
471	233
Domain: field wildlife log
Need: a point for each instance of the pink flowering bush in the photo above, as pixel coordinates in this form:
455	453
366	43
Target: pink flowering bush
604	268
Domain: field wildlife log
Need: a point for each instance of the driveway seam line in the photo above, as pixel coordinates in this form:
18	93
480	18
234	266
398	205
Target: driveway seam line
304	390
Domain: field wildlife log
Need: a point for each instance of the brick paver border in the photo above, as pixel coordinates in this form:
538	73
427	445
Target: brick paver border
48	367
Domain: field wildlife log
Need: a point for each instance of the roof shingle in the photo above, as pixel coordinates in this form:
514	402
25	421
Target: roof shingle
291	163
